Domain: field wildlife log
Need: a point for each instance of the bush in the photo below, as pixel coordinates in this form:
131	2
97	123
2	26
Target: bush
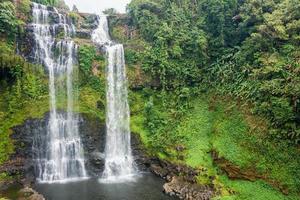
24	10
86	56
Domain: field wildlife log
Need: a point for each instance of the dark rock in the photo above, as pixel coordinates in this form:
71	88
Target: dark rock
92	132
189	191
100	105
180	148
141	158
90	21
6	184
98	159
27	43
84	33
166	169
13	167
159	171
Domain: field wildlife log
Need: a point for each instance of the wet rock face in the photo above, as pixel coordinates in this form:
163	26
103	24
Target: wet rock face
139	153
27	43
90	21
92	132
86	26
23	137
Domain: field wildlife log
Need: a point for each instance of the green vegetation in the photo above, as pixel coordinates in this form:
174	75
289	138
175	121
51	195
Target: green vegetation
13	17
22	85
91	81
195	54
212	123
57	3
91	66
23	94
209	79
248	49
246	190
8	21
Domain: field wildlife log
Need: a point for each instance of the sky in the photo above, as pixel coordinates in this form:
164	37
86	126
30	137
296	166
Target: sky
97	6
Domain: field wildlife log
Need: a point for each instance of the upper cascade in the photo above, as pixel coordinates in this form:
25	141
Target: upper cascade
52	20
100	35
58	154
119	162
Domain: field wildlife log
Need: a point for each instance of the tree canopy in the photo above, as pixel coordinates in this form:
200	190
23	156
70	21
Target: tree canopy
247	49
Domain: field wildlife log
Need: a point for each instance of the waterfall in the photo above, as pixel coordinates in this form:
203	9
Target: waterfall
58	154
119	163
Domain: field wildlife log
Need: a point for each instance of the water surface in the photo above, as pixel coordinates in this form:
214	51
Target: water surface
146	187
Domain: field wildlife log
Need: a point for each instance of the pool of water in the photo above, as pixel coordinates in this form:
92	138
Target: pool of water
145	187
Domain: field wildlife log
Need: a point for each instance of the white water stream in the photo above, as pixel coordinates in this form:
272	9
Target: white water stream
59	154
119	163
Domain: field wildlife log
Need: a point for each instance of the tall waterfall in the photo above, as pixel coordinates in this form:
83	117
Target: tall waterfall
59	153
119	163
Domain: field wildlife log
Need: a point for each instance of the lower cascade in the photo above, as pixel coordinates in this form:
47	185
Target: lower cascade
58	154
119	162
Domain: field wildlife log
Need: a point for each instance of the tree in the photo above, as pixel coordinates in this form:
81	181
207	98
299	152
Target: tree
110	11
8	21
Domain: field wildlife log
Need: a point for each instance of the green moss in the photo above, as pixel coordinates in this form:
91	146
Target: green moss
89	99
258	190
196	127
137	119
30	109
230	132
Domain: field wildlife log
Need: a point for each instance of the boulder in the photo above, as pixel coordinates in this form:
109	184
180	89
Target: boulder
189	191
28	193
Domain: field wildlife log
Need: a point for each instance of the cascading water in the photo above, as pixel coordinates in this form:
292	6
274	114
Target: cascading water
59	153
119	163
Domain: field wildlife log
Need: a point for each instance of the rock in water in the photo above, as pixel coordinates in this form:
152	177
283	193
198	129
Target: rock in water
28	193
185	190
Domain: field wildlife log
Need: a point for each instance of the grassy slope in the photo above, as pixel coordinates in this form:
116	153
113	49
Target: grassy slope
224	128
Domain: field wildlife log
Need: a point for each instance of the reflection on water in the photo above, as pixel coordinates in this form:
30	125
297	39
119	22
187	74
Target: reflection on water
146	187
